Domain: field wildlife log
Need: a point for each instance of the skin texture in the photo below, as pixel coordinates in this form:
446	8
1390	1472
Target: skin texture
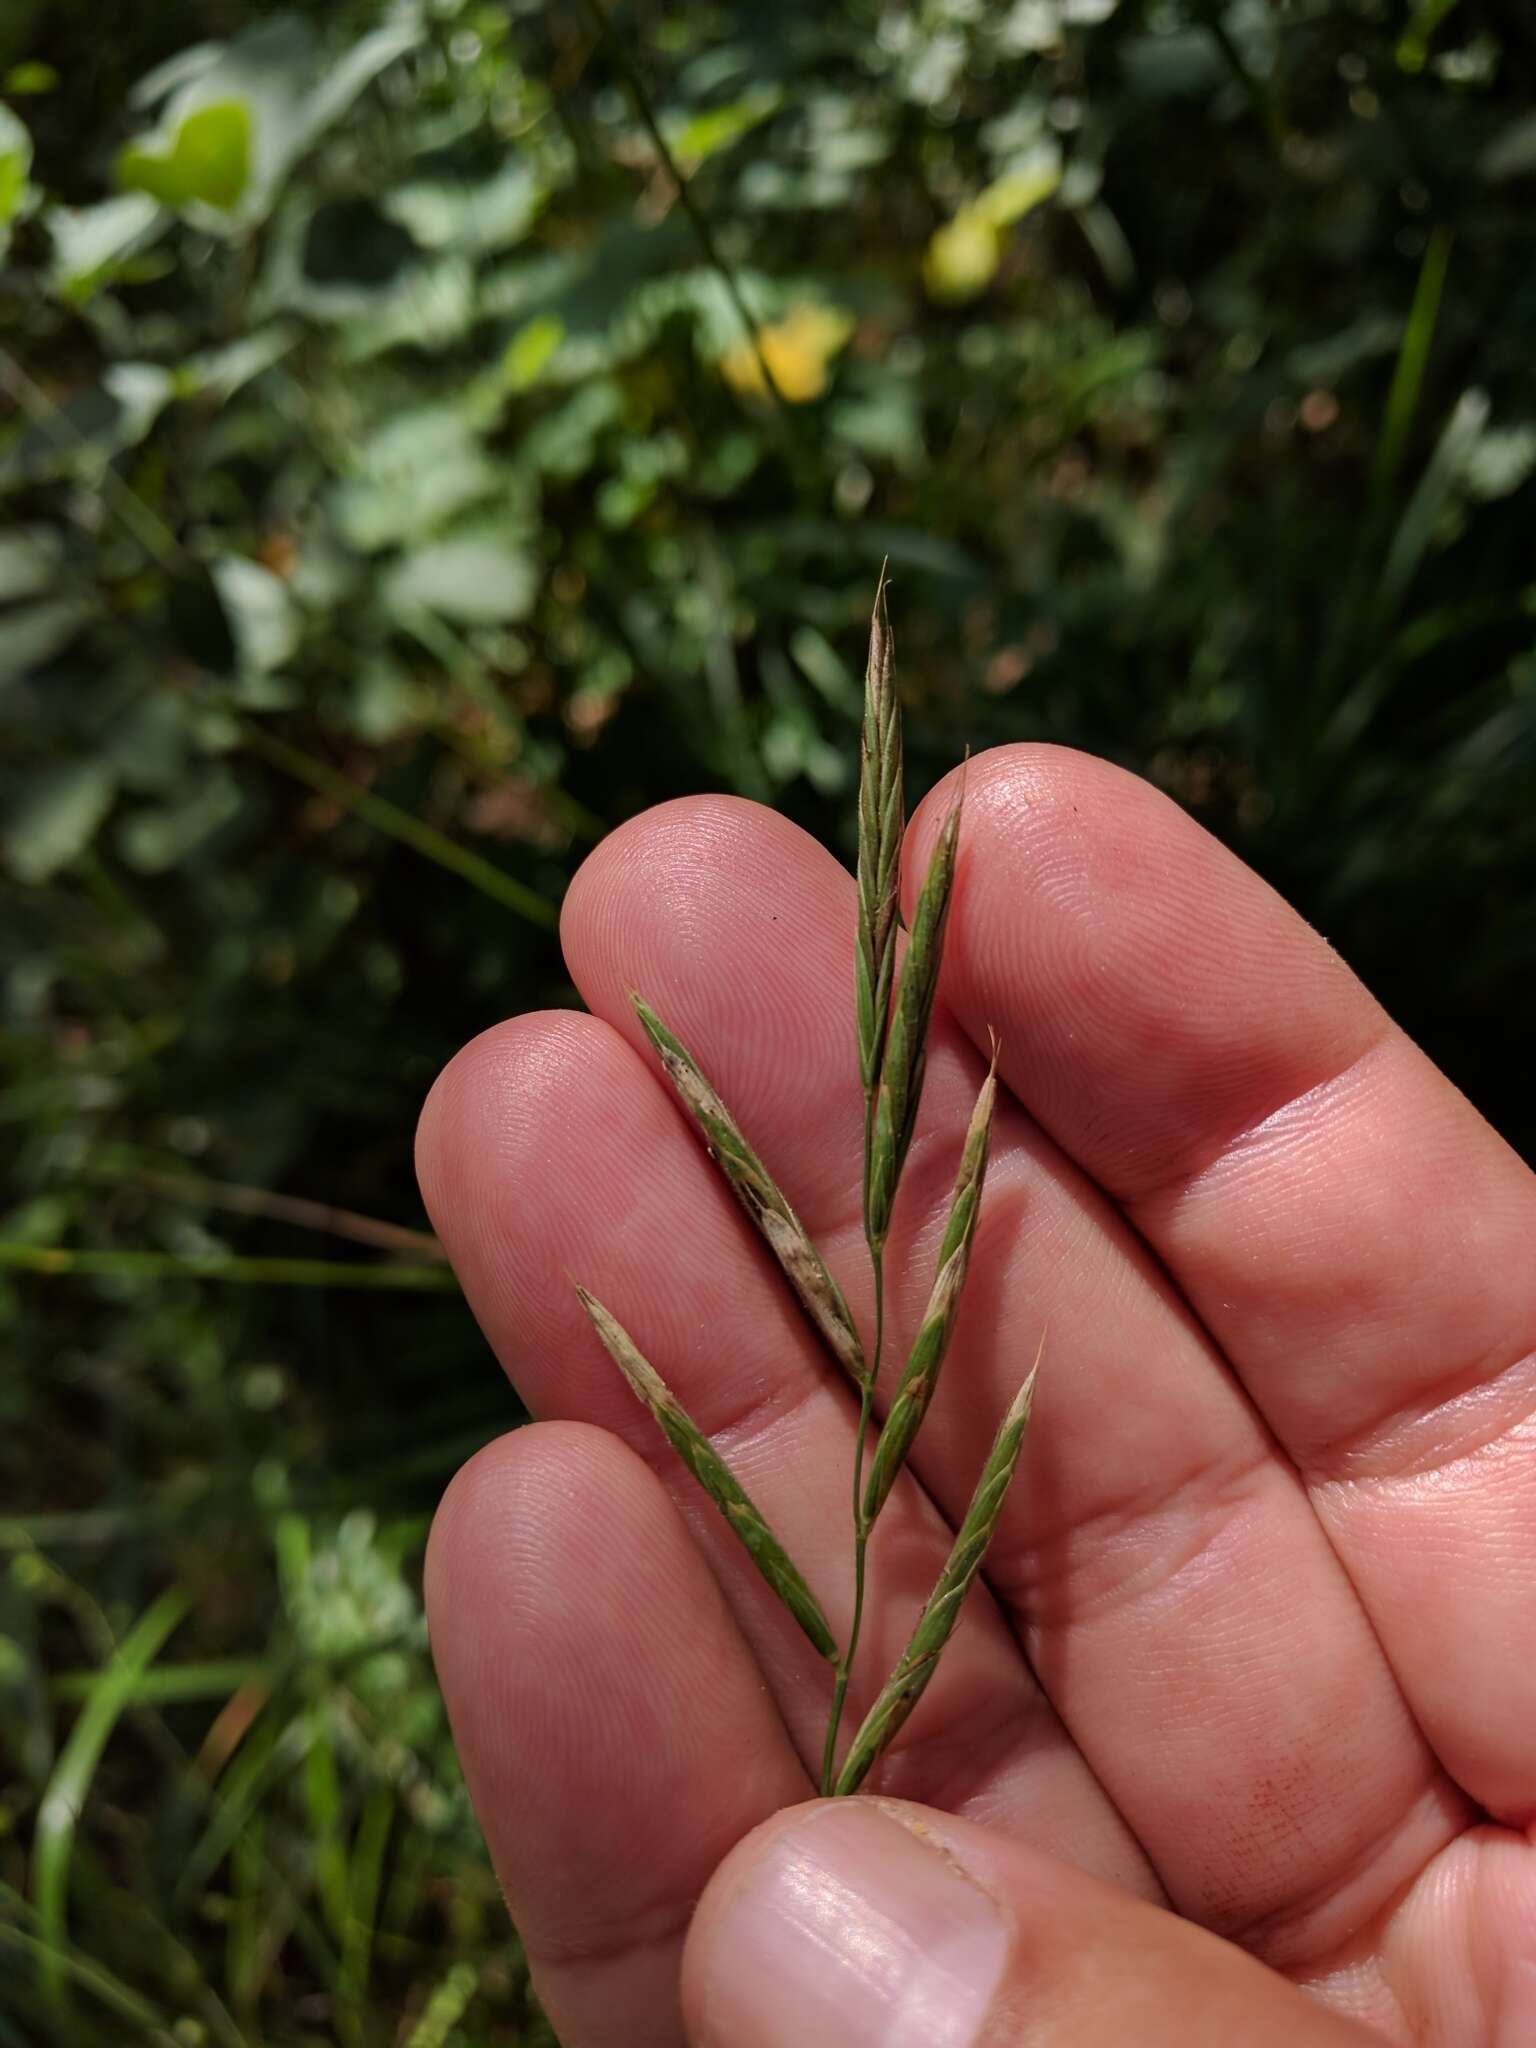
1256	1639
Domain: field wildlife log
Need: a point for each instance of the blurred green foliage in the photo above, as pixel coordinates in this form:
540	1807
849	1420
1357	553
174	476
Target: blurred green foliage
401	482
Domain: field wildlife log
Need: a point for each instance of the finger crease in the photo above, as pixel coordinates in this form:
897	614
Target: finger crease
657	1926
1193	1168
1132	1547
1461	1416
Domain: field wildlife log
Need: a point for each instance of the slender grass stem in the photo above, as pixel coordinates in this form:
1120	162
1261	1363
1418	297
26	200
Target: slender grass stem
137	1265
860	1533
398	824
297	1210
698	219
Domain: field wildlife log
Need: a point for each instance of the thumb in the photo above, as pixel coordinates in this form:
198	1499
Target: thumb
875	1924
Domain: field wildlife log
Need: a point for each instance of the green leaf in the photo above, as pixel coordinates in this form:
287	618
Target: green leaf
431	306
530	349
68	1790
92	243
31	77
482	579
289	91
205	162
15	166
413	474
342	81
29	562
260	611
35	633
473	216
1511	153
57	818
220	372
160	836
703	135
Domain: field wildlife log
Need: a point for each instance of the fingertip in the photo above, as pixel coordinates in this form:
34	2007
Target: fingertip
1156	996
514	1077
558	1577
615	1737
1048	793
518	1496
647	871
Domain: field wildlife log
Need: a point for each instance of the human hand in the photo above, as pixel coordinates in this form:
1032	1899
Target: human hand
1271	1551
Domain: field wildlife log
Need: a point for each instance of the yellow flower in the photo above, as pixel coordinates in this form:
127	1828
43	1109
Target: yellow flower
962	256
797	349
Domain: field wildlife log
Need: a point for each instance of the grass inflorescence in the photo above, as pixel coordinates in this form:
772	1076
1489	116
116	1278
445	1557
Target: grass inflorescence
893	1012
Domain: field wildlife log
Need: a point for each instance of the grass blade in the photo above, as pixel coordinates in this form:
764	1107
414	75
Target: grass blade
755	1189
906	1684
364	1883
446	2007
399	824
714	1475
68	1789
920	1376
1412	362
91	1976
881	822
901	1073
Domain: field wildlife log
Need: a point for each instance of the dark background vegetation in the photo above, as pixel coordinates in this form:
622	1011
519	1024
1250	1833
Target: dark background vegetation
390	503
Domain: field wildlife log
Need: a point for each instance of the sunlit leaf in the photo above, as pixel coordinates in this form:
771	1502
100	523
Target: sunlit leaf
479	579
477	216
411	475
1511	153
704	134
530	349
260	611
228	167
56	818
91	243
206	161
33	634
29	562
15	164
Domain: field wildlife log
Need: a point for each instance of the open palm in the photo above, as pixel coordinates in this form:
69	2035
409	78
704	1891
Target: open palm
1260	1635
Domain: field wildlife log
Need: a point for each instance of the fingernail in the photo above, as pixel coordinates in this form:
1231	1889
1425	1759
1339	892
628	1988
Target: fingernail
850	1929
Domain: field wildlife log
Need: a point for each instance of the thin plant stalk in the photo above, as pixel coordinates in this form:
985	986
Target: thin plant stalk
892	1012
882	825
935	1625
401	825
261	1272
860	1536
920	1377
